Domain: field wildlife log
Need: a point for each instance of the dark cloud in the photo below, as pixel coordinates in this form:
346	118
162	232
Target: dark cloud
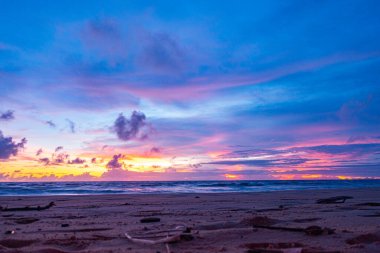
50	123
353	139
93	160
77	161
362	110
39	152
350	149
251	152
101	29
71	125
59	148
45	160
8	147
162	52
60	158
262	163
114	163
155	150
133	128
8	115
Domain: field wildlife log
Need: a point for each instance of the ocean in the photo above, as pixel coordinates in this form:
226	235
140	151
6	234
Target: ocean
89	188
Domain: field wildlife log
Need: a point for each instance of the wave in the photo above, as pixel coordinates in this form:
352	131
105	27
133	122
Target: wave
89	188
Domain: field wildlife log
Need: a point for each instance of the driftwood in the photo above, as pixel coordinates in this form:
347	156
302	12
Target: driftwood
150	220
312	230
27	208
169	239
182	235
334	200
268	223
369	204
284	247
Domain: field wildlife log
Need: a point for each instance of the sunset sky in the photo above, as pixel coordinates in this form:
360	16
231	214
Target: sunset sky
189	90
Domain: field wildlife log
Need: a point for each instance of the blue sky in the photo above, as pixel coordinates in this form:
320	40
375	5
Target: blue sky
189	90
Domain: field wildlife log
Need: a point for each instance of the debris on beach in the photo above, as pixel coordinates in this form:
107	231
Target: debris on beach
178	234
259	221
369	204
365	238
267	223
27	208
9	232
274	247
334	200
312	230
24	220
283	247
280	208
150	220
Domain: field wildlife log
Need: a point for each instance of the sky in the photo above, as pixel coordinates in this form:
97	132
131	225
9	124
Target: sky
189	90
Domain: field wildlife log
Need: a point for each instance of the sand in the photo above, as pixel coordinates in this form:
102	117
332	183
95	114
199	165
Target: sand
218	222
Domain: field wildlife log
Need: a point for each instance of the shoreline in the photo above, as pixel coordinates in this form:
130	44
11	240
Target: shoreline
192	193
176	187
219	222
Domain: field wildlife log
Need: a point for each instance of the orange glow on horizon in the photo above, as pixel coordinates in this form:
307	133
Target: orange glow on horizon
232	176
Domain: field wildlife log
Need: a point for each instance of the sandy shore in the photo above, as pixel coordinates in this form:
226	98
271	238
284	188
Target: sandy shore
217	222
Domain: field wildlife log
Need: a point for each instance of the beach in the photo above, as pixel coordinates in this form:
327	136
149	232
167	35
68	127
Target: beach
194	222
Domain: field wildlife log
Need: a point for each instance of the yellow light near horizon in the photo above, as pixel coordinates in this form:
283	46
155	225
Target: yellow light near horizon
232	176
144	164
311	176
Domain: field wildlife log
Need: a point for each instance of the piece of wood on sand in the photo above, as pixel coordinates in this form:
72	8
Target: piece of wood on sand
27	208
334	200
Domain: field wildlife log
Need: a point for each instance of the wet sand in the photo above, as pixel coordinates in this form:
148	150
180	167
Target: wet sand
223	222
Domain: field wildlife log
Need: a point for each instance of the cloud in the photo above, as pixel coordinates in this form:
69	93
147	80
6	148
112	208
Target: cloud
8	147
39	152
133	128
50	123
350	149
114	163
71	125
103	36
262	163
61	158
8	115
155	150
77	161
361	110
162	52
45	160
58	148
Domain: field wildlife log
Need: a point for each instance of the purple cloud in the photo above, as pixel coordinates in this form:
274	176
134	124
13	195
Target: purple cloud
133	128
39	152
347	149
45	160
71	125
59	148
77	161
155	150
61	158
8	147
162	52
262	163
8	115
50	123
114	163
